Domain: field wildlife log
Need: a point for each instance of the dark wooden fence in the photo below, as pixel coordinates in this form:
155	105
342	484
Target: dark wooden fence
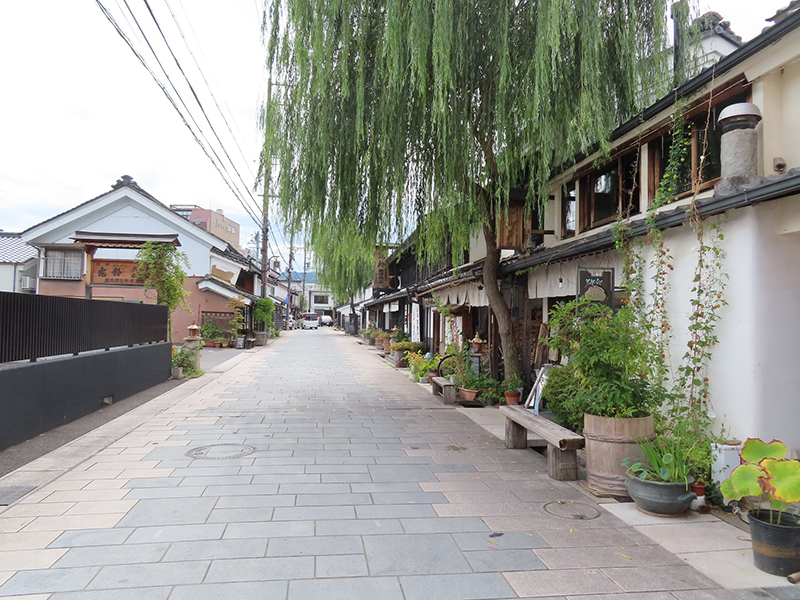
33	326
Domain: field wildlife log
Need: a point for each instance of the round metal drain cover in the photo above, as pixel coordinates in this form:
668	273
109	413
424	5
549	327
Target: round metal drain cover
568	509
220	451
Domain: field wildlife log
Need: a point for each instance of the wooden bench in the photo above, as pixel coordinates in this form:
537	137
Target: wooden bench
441	386
562	444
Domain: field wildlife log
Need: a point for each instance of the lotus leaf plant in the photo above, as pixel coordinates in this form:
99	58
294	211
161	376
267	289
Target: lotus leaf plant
765	473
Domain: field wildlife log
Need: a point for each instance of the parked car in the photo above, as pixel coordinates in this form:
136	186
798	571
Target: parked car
326	320
310	321
290	324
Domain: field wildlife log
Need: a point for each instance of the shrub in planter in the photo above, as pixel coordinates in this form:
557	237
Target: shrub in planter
612	379
768	476
659	485
512	390
406	346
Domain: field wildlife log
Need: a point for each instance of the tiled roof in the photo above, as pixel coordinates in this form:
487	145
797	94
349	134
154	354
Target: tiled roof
14	250
233	254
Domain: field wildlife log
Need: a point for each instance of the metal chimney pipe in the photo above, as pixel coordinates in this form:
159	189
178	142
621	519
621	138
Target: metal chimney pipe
738	147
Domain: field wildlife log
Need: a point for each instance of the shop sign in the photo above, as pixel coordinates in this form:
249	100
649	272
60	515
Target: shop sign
597	284
115	272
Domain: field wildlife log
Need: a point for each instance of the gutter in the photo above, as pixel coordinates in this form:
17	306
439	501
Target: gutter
765	190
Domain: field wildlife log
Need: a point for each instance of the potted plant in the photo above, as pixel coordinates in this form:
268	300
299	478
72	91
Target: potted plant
262	315
512	390
400	350
660	485
612	380
491	390
767	475
373	335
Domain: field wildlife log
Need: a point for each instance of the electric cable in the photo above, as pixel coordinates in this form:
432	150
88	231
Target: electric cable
171	100
208	86
172	85
197	99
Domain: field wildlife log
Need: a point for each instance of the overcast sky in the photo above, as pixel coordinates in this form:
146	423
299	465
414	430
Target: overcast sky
78	110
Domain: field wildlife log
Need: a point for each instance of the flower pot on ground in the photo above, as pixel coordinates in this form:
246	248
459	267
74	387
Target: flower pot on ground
659	498
776	541
467	394
177	372
402	349
609	389
768	476
512	390
659	485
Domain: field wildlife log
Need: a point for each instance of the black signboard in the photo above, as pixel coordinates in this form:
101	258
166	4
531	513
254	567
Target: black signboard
597	284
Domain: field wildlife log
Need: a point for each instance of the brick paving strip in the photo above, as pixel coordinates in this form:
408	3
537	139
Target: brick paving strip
311	470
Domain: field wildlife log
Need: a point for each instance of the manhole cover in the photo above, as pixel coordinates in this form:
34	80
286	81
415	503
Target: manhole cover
572	510
11	494
220	451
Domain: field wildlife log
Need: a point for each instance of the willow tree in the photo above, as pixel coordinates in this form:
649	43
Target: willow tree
404	113
344	261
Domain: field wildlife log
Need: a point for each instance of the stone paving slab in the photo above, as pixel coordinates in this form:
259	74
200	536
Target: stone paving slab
308	469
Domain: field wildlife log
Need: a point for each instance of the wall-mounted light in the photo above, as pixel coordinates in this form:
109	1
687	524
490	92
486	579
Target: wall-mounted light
560	282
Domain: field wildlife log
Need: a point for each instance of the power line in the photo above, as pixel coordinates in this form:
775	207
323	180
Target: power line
171	100
208	86
197	99
241	199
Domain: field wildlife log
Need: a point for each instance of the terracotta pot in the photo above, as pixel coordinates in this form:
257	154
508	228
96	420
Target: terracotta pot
468	395
512	397
699	488
431	375
608	441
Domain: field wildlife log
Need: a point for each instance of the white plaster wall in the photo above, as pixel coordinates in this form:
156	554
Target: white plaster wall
131	219
754	379
7	278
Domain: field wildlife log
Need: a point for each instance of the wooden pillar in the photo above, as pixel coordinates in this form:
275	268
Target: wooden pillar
526	335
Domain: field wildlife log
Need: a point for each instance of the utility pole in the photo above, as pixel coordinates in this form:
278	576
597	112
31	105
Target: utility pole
267	158
288	286
305	268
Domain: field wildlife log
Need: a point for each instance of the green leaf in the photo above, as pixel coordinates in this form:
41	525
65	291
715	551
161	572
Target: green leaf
745	480
726	489
783	481
755	449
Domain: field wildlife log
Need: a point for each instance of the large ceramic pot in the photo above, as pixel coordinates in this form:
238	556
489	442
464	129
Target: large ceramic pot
512	397
659	498
776	547
608	441
400	359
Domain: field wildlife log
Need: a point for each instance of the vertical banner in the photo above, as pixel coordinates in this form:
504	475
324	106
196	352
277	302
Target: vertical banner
415	333
381	272
452	333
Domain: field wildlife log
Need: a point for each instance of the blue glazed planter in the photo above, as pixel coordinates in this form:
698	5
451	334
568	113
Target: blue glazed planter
660	499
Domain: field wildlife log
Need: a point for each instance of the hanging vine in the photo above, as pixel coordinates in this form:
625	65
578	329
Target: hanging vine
687	410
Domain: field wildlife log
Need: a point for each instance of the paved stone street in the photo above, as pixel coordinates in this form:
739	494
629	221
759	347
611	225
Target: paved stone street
307	470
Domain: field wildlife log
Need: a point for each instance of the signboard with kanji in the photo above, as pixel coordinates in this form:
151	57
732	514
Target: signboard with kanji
115	272
381	272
